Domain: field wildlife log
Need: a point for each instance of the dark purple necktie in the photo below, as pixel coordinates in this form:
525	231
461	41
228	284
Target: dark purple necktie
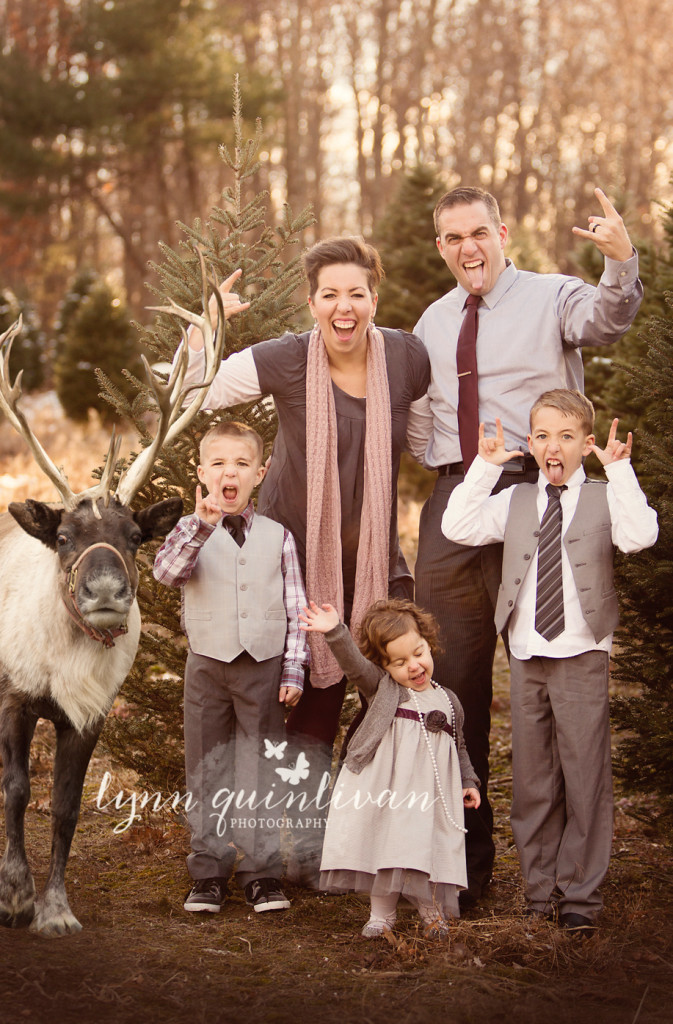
468	390
234	525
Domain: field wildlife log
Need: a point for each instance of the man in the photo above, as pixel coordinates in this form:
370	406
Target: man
529	331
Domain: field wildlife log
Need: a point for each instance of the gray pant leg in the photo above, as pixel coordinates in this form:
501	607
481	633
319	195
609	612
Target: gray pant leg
260	716
230	710
562	777
209	733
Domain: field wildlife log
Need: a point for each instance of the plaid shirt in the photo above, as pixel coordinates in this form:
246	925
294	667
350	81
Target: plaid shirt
178	555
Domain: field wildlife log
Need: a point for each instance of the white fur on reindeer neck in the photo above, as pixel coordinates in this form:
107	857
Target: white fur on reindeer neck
61	663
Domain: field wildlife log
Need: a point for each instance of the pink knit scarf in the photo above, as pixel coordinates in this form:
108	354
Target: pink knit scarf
324	575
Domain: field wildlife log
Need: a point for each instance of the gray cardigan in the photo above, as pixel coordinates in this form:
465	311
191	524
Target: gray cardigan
384	696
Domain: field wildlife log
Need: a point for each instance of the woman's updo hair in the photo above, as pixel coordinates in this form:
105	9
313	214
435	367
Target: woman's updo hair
351	249
386	620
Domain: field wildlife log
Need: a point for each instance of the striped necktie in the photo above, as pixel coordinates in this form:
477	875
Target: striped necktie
549	615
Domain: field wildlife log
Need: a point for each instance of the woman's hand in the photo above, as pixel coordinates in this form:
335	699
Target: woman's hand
471	797
231	302
319	620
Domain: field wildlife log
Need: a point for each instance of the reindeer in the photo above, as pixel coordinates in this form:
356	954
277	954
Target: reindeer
69	619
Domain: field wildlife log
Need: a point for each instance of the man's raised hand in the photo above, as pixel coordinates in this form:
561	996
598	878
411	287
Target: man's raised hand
608	233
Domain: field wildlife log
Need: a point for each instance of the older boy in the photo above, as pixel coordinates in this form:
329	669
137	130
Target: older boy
558	601
242	593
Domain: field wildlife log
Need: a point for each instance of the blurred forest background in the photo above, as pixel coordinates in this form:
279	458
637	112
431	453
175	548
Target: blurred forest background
111	112
113	119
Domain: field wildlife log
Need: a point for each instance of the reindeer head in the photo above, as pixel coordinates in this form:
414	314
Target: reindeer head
96	535
96	548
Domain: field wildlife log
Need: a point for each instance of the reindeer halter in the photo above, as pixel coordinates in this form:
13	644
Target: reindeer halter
104	636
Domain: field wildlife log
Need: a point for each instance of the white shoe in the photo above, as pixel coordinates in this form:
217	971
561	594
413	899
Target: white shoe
375	927
436	929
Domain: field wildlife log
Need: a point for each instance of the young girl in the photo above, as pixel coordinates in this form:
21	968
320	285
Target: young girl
395	824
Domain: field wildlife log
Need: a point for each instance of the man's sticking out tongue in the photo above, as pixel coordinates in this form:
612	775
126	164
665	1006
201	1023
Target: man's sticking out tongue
475	275
554	472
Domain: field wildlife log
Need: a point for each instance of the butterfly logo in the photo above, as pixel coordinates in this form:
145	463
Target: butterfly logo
274	749
295	774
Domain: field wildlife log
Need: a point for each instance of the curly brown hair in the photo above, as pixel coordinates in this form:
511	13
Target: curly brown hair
386	620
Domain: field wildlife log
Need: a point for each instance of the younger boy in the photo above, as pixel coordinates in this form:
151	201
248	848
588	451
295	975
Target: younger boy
242	593
558	602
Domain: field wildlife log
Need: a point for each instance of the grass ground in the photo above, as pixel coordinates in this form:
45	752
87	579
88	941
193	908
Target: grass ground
140	958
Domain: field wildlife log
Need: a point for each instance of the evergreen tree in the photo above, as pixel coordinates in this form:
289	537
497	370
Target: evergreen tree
416	275
28	347
147	736
114	108
644	653
607	381
96	332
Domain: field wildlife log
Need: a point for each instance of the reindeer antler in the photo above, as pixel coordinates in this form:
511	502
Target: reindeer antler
170	398
172	395
10	396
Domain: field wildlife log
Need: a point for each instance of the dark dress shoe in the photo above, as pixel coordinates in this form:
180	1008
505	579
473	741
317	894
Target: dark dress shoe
468	898
577	924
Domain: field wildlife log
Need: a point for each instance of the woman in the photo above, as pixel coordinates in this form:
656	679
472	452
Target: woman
342	393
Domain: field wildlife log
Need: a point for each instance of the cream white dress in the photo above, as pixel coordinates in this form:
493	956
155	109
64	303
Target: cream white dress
388	830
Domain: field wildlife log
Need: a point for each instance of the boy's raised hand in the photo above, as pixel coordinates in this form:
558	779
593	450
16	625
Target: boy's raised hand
206	509
614	449
492	449
319	620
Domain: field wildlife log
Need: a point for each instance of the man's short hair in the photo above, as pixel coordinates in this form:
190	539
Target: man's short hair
232	428
569	403
466	195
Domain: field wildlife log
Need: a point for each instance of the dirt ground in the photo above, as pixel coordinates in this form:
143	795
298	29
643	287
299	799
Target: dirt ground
140	958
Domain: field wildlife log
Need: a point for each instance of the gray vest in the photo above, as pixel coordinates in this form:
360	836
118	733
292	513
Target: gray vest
233	601
588	543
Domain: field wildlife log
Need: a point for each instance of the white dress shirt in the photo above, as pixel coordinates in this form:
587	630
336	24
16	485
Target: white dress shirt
474	516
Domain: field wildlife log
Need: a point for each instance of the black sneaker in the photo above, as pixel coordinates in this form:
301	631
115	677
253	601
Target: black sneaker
206	894
266	894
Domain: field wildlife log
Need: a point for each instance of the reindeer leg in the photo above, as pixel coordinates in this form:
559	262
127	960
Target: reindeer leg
53	915
17	889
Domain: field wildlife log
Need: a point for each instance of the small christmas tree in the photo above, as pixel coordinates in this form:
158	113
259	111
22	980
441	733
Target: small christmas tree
28	348
644	652
95	332
416	275
607	382
146	731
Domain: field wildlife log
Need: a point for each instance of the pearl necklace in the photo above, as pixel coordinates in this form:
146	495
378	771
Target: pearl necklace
452	722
